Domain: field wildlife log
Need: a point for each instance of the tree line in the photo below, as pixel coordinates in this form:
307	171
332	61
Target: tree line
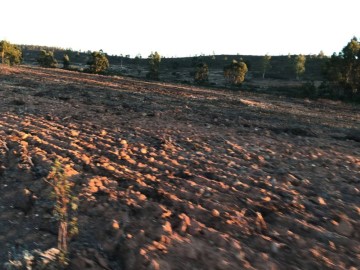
341	71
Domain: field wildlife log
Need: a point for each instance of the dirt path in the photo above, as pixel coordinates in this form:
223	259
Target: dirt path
179	177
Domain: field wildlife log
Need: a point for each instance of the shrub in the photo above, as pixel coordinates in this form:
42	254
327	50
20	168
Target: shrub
235	72
10	54
98	62
47	59
66	61
308	90
201	73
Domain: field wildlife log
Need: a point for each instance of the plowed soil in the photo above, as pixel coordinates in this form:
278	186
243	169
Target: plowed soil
179	177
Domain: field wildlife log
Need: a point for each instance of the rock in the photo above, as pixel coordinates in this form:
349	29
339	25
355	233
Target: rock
48	259
185	174
274	248
85	159
167	227
154	265
185	222
74	133
24	200
240	255
124	143
142	197
353	135
215	213
321	201
115	225
345	228
191	253
101	260
80	262
159	245
2	169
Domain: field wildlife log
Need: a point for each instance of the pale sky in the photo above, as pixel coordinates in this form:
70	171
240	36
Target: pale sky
183	28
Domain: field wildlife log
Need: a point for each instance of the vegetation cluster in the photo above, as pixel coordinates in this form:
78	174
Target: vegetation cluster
339	73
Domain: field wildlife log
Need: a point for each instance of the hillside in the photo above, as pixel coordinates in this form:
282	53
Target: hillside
172	176
178	69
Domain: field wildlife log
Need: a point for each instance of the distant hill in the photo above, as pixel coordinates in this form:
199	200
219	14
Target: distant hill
281	66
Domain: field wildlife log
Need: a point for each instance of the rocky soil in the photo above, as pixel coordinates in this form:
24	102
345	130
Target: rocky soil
179	177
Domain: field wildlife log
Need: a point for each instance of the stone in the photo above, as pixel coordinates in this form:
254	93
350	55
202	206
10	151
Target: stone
115	225
74	133
185	222
167	227
321	201
154	265
215	213
80	262
123	142
24	200
345	228
48	259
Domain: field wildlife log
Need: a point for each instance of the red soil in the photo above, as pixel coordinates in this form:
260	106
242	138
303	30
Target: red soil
179	177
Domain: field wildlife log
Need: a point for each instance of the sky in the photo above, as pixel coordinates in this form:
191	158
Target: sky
183	28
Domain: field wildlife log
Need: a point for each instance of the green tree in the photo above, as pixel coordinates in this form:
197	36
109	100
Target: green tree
98	62
47	59
154	66
265	64
66	61
10	54
201	73
299	65
235	72
344	68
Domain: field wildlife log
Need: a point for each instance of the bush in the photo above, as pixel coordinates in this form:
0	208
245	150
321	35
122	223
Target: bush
201	73
10	54
235	72
66	61
98	62
47	59
308	90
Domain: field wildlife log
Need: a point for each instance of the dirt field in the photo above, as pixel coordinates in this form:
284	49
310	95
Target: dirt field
179	177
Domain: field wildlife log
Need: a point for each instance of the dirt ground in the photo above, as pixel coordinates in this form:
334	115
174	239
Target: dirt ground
179	177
